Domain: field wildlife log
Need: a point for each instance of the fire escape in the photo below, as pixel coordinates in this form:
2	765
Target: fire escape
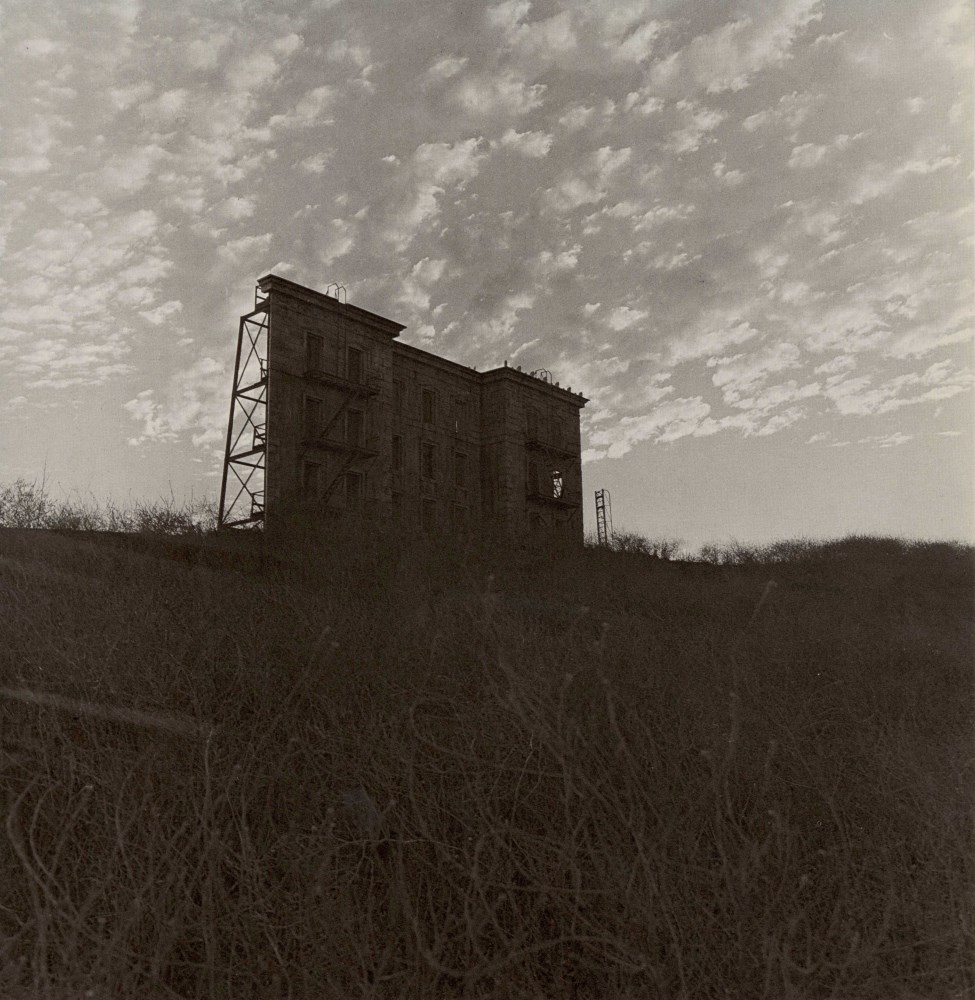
549	489
243	485
353	447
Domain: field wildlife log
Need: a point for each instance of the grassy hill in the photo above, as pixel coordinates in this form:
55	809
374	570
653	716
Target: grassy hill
356	767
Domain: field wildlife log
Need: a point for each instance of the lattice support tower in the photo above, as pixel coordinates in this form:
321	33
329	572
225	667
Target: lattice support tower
242	491
604	517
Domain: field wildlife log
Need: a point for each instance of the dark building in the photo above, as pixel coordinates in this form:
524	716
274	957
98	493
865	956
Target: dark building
330	412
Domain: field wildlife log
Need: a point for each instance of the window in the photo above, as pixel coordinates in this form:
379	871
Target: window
428	407
353	490
399	391
397	453
558	432
532	477
397	506
428	515
460	469
460	416
353	364
354	423
458	516
428	460
314	352
309	480
531	421
312	417
556	484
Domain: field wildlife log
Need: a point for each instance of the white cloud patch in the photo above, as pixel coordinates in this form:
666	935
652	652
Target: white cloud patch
534	145
505	93
194	405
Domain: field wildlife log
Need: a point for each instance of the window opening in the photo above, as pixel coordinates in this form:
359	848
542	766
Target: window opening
309	480
427	460
397	453
556	484
354	424
428	515
460	469
312	417
353	363
428	407
314	352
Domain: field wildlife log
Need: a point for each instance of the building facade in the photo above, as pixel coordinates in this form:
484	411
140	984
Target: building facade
330	412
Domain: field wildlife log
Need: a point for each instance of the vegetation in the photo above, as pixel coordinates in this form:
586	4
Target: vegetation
351	766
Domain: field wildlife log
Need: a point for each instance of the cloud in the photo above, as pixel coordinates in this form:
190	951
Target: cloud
194	405
669	420
696	122
590	184
729	56
534	145
506	93
623	317
444	69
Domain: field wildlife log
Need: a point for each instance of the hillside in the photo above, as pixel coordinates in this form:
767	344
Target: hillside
345	766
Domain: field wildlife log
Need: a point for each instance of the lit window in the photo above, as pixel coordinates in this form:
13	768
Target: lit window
557	484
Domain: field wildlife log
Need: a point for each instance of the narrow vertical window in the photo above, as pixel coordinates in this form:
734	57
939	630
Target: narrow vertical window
309	480
312	418
532	477
399	391
353	364
397	453
460	469
354	422
531	423
353	490
314	352
556	484
428	514
460	416
428	460
428	407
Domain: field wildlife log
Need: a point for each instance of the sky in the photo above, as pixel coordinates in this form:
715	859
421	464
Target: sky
742	228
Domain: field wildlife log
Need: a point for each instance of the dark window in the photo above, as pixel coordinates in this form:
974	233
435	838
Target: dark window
354	421
353	490
558	432
397	453
532	422
399	391
309	480
428	460
533	477
460	469
458	515
353	364
556	484
397	506
428	406
460	416
314	351
535	521
428	515
312	417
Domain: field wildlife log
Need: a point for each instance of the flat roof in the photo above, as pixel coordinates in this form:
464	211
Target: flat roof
272	282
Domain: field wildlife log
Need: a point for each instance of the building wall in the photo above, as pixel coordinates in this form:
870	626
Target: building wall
466	461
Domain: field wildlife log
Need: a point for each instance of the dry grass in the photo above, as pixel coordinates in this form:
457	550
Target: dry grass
451	772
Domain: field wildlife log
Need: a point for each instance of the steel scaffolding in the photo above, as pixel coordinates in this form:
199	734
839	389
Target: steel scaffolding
242	500
604	517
